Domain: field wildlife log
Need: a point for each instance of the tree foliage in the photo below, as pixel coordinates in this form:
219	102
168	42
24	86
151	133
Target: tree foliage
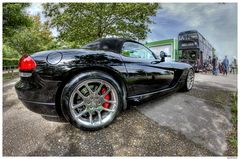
84	22
32	39
14	18
9	52
60	44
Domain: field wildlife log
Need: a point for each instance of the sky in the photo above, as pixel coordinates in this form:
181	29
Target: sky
217	22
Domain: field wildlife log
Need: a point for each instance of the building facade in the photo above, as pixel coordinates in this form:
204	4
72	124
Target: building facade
169	46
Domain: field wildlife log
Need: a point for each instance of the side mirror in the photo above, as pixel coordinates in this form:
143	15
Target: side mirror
162	56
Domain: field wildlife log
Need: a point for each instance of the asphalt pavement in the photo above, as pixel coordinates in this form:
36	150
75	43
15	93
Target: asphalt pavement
182	124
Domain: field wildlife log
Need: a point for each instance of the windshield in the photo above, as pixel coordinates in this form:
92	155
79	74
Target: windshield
189	55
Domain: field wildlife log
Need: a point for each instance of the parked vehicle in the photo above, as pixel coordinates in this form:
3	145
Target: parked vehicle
91	85
194	49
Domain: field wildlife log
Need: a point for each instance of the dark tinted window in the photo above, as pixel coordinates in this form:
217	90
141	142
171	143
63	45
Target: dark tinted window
93	45
107	44
110	45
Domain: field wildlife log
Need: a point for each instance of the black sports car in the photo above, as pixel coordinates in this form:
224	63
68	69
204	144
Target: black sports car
91	85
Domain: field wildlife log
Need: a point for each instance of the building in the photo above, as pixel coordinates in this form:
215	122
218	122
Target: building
169	46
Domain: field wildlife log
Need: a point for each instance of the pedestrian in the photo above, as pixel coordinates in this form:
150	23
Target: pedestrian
214	65
225	64
209	59
217	67
220	67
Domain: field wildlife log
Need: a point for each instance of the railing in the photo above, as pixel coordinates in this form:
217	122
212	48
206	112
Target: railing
234	69
9	69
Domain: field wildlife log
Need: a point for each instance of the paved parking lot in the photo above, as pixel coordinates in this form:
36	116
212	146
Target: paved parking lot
191	124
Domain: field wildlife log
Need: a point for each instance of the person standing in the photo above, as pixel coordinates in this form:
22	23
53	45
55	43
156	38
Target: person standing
225	65
214	65
217	67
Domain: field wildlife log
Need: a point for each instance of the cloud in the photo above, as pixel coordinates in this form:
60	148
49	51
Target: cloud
217	22
34	9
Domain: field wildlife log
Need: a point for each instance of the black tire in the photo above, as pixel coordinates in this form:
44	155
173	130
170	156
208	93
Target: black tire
185	87
73	83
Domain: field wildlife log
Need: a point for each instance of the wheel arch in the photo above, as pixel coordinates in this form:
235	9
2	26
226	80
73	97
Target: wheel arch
76	71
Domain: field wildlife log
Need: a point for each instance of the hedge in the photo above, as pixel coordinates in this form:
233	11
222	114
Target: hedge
10	62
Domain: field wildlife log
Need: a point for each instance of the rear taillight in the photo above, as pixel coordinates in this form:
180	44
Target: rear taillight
26	63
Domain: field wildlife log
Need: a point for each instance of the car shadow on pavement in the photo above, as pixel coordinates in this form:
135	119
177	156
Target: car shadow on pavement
131	134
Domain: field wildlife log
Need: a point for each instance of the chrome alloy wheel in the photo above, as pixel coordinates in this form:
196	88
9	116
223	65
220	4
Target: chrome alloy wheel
94	103
190	79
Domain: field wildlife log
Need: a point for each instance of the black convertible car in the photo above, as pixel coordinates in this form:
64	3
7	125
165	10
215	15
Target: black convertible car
91	85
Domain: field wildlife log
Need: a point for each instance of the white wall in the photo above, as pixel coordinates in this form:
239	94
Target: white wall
166	48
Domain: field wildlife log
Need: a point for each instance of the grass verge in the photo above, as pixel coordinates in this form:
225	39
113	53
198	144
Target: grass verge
7	76
232	135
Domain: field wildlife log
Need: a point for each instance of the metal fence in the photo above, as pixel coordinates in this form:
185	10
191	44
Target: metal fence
10	69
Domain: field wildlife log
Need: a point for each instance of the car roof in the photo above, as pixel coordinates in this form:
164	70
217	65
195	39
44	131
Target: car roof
109	44
118	40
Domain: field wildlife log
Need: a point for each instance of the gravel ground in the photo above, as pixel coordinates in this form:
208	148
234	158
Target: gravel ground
131	134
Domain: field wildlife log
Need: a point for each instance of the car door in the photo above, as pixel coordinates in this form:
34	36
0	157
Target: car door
145	72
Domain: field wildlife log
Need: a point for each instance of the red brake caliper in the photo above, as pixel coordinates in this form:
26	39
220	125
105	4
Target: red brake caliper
107	97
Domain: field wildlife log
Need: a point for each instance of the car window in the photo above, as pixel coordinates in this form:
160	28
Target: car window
93	45
102	44
136	50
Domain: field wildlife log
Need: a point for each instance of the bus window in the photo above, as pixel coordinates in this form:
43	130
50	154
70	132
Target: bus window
193	36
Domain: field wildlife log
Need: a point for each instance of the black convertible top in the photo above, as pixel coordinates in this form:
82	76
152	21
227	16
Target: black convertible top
107	44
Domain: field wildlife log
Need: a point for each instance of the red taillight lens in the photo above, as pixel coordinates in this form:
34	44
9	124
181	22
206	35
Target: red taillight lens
26	63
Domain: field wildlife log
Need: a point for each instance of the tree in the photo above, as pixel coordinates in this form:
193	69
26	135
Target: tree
213	52
9	52
32	39
14	18
84	22
59	44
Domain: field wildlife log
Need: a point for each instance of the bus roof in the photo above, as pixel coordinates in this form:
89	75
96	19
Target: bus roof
195	31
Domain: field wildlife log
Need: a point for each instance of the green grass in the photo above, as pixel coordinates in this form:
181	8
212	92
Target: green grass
8	76
232	136
233	141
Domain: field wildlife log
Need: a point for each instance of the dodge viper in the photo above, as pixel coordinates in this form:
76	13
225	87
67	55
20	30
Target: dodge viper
91	85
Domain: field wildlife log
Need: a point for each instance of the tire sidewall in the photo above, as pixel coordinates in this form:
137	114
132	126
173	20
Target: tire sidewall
69	88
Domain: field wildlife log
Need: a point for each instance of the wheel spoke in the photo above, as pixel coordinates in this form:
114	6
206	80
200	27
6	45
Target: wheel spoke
99	88
82	113
78	105
80	94
90	118
99	117
109	89
109	110
89	89
110	101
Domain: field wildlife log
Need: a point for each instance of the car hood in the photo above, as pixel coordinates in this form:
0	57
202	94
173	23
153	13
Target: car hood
180	65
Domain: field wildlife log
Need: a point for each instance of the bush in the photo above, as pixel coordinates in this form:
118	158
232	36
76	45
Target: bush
9	52
10	62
